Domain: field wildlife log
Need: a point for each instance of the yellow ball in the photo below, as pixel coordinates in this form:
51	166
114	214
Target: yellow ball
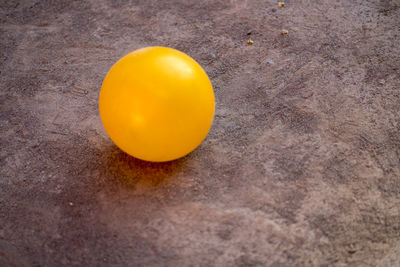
157	104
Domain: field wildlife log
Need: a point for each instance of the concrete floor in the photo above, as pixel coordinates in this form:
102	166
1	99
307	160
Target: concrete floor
301	167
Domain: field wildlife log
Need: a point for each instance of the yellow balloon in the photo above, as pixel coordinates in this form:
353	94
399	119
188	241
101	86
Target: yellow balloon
157	104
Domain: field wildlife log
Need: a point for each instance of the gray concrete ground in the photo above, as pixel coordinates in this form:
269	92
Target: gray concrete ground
301	167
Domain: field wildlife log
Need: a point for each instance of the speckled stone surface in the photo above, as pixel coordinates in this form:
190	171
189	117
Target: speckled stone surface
301	167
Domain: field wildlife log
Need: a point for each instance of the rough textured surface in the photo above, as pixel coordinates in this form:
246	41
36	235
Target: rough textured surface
301	167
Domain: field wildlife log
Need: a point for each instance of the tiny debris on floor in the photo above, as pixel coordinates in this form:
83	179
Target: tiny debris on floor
281	4
250	42
284	31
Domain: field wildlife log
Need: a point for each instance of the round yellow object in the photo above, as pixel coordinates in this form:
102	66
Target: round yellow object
157	104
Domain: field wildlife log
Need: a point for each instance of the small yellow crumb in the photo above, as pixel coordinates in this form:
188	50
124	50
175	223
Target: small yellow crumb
281	4
284	32
250	42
